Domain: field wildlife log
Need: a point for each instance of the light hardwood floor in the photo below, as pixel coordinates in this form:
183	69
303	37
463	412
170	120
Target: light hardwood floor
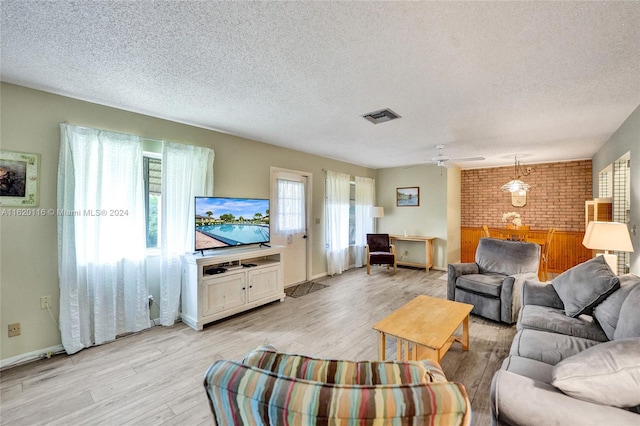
155	377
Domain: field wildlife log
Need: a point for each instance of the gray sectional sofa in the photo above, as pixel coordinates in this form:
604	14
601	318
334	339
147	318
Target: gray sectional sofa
575	359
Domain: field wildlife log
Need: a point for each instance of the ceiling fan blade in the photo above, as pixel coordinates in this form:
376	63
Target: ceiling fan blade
468	159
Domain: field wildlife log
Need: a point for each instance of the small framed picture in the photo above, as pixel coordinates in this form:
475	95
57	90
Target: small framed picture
19	179
408	196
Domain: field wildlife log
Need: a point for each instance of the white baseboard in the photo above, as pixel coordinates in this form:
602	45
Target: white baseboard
30	356
315	277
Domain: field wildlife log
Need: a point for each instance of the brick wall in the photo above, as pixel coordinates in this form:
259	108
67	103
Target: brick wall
556	199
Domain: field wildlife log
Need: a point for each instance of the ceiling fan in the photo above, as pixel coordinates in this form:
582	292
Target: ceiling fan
442	160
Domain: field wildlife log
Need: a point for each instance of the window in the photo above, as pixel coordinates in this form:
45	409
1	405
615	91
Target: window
291	206
153	198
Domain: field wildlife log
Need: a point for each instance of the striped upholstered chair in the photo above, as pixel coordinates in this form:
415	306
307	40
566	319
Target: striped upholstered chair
274	388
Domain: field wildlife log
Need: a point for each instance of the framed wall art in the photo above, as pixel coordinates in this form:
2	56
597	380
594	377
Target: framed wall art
408	196
19	179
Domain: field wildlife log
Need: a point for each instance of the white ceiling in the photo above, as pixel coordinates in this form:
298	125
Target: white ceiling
547	81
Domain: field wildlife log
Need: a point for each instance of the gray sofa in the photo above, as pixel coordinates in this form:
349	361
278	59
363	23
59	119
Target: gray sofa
575	359
493	283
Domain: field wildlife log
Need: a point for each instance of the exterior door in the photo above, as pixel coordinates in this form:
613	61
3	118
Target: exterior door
290	206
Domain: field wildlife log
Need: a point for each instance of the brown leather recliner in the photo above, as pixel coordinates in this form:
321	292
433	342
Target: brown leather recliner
380	251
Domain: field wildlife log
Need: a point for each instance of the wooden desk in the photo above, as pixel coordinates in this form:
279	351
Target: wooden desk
424	328
428	247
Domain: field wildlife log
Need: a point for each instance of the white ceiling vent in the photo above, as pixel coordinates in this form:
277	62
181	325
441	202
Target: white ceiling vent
381	116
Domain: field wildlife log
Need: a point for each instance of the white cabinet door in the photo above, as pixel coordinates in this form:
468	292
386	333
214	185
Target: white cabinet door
264	282
225	292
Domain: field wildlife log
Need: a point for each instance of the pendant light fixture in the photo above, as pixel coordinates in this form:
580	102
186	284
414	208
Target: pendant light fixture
515	184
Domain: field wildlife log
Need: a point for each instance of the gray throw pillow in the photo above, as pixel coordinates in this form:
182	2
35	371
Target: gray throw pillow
607	312
607	374
585	285
629	320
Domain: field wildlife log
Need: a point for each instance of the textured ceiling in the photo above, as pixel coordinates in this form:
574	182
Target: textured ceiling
547	81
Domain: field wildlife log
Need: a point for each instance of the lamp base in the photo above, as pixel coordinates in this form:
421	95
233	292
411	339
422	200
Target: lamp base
612	261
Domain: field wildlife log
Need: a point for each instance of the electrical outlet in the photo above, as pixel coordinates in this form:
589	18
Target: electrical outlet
14	329
45	301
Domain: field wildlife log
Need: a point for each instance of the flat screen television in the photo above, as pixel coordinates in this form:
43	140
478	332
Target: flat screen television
230	222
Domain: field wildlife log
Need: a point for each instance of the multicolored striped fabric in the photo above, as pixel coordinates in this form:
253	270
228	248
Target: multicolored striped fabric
344	372
240	394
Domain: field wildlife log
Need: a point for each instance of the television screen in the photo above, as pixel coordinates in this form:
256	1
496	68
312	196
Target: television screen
230	222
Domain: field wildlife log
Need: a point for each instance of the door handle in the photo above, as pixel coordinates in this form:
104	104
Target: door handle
304	236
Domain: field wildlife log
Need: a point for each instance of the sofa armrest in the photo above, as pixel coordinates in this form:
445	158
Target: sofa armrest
456	270
519	400
512	291
542	294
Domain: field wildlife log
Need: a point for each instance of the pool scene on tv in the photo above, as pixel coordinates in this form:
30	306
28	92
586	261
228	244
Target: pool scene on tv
226	222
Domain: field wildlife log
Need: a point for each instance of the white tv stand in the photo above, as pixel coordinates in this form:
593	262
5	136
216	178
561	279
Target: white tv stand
207	298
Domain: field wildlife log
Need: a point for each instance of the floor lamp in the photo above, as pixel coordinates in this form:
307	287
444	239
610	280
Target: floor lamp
375	213
608	236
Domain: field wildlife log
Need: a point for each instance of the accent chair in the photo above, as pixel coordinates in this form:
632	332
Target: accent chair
276	388
380	251
493	283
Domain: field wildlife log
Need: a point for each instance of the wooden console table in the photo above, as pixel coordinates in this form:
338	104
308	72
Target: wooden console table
428	247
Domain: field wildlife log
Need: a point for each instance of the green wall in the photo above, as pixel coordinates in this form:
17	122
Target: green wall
438	214
29	121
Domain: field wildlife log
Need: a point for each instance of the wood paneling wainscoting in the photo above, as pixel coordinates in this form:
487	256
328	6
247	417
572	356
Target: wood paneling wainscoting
566	249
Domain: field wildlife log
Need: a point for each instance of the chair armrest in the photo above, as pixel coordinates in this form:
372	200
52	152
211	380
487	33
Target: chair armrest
519	400
456	270
542	294
511	296
392	248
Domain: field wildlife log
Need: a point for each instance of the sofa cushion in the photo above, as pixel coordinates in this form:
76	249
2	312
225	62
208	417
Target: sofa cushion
489	283
608	374
548	347
331	371
507	257
544	318
629	320
536	370
607	312
584	286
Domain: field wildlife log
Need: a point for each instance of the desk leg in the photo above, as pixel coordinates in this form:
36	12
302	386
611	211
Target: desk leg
382	342
465	333
428	249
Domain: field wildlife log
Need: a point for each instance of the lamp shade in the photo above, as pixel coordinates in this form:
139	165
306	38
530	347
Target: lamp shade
609	236
515	185
376	212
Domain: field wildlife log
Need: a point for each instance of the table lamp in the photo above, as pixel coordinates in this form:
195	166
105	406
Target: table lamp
608	236
375	213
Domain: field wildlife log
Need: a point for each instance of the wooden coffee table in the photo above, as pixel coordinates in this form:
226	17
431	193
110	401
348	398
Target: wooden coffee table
424	328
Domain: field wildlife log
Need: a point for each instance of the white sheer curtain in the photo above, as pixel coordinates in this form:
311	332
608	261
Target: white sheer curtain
101	237
365	197
337	222
291	206
187	171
